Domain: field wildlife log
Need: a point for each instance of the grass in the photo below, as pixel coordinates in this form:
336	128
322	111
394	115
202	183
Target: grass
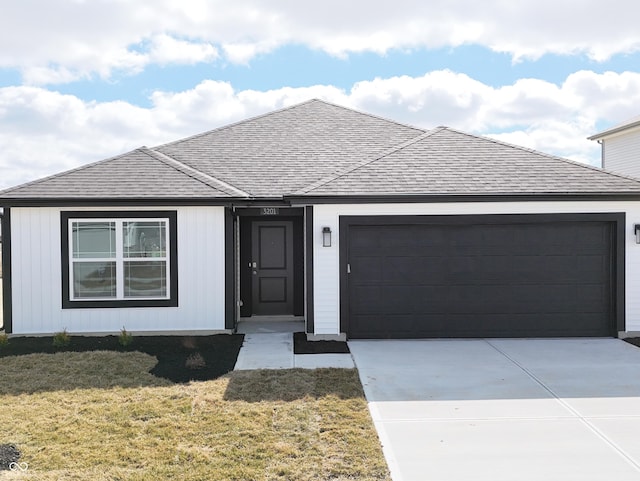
103	416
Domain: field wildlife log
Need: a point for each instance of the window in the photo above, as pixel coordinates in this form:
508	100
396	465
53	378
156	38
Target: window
118	259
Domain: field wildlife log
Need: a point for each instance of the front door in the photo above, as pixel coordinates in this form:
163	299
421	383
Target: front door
272	267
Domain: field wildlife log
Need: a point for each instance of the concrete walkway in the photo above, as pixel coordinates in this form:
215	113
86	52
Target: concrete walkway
269	345
504	410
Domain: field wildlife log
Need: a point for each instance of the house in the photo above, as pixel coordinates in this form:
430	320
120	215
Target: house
621	147
365	227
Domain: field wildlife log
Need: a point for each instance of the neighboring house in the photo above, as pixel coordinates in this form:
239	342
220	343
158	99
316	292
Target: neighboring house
366	227
621	147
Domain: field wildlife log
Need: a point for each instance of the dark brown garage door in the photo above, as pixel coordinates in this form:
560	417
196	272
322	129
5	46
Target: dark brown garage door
479	276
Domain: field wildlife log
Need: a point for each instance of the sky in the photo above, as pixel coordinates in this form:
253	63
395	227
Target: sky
83	80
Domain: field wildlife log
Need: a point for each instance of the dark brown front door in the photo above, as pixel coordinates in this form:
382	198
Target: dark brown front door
272	267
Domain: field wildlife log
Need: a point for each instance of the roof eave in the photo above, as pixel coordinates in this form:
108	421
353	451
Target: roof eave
129	201
448	198
615	130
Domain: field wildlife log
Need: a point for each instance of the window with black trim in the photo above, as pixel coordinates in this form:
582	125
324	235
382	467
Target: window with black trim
119	259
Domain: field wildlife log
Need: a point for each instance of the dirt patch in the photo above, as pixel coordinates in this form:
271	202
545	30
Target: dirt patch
302	346
216	354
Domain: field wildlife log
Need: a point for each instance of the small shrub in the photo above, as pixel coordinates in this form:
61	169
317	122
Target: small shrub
195	361
61	339
125	338
4	340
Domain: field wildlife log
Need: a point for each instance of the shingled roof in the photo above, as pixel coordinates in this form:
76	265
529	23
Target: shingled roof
139	174
317	149
284	151
445	161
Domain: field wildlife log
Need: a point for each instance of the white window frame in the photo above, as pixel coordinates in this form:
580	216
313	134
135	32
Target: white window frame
119	258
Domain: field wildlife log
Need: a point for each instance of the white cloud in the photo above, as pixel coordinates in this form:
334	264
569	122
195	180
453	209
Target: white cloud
166	49
243	52
51	75
43	132
80	39
437	98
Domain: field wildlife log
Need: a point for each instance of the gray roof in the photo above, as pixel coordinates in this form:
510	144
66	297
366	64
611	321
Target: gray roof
284	151
445	161
621	127
320	149
140	174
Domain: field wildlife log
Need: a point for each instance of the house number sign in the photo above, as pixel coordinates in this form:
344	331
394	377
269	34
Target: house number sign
270	211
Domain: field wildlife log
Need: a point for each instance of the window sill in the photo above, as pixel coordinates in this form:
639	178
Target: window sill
119	303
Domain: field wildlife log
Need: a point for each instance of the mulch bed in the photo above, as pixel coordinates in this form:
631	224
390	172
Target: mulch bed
9	453
302	346
633	340
180	358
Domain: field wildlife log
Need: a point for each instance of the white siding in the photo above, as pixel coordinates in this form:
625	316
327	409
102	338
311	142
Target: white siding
621	153
326	259
37	278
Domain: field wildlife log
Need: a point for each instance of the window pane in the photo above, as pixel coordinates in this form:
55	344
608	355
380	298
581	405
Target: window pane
144	239
94	279
94	239
145	279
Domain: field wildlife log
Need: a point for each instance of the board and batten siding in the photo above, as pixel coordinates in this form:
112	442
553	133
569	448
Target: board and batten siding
326	276
621	153
37	278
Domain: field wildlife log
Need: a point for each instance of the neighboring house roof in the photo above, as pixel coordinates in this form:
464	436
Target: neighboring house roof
317	149
616	129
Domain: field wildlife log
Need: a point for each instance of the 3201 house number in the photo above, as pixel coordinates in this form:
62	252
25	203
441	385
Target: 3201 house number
269	211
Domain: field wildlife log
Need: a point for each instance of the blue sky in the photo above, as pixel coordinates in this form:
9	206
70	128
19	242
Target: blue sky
299	66
84	80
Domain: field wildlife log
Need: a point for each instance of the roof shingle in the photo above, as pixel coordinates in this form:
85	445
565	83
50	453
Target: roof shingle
320	149
284	151
138	174
448	162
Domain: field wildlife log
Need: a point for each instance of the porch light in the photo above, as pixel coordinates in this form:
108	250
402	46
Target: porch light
636	231
326	236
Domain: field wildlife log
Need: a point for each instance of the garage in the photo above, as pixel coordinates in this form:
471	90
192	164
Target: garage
535	275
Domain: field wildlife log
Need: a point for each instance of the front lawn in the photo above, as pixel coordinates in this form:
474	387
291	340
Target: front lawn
103	416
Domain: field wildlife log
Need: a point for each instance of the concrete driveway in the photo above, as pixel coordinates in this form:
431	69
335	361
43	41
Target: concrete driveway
510	410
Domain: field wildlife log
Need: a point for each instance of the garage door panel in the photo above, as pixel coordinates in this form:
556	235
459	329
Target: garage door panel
392	300
369	268
403	326
366	299
561	269
480	269
465	325
412	270
502	280
431	325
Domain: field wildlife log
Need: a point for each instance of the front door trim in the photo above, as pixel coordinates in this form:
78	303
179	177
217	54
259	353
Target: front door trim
246	217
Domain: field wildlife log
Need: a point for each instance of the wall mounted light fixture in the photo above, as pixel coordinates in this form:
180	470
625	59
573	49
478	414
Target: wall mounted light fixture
326	237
